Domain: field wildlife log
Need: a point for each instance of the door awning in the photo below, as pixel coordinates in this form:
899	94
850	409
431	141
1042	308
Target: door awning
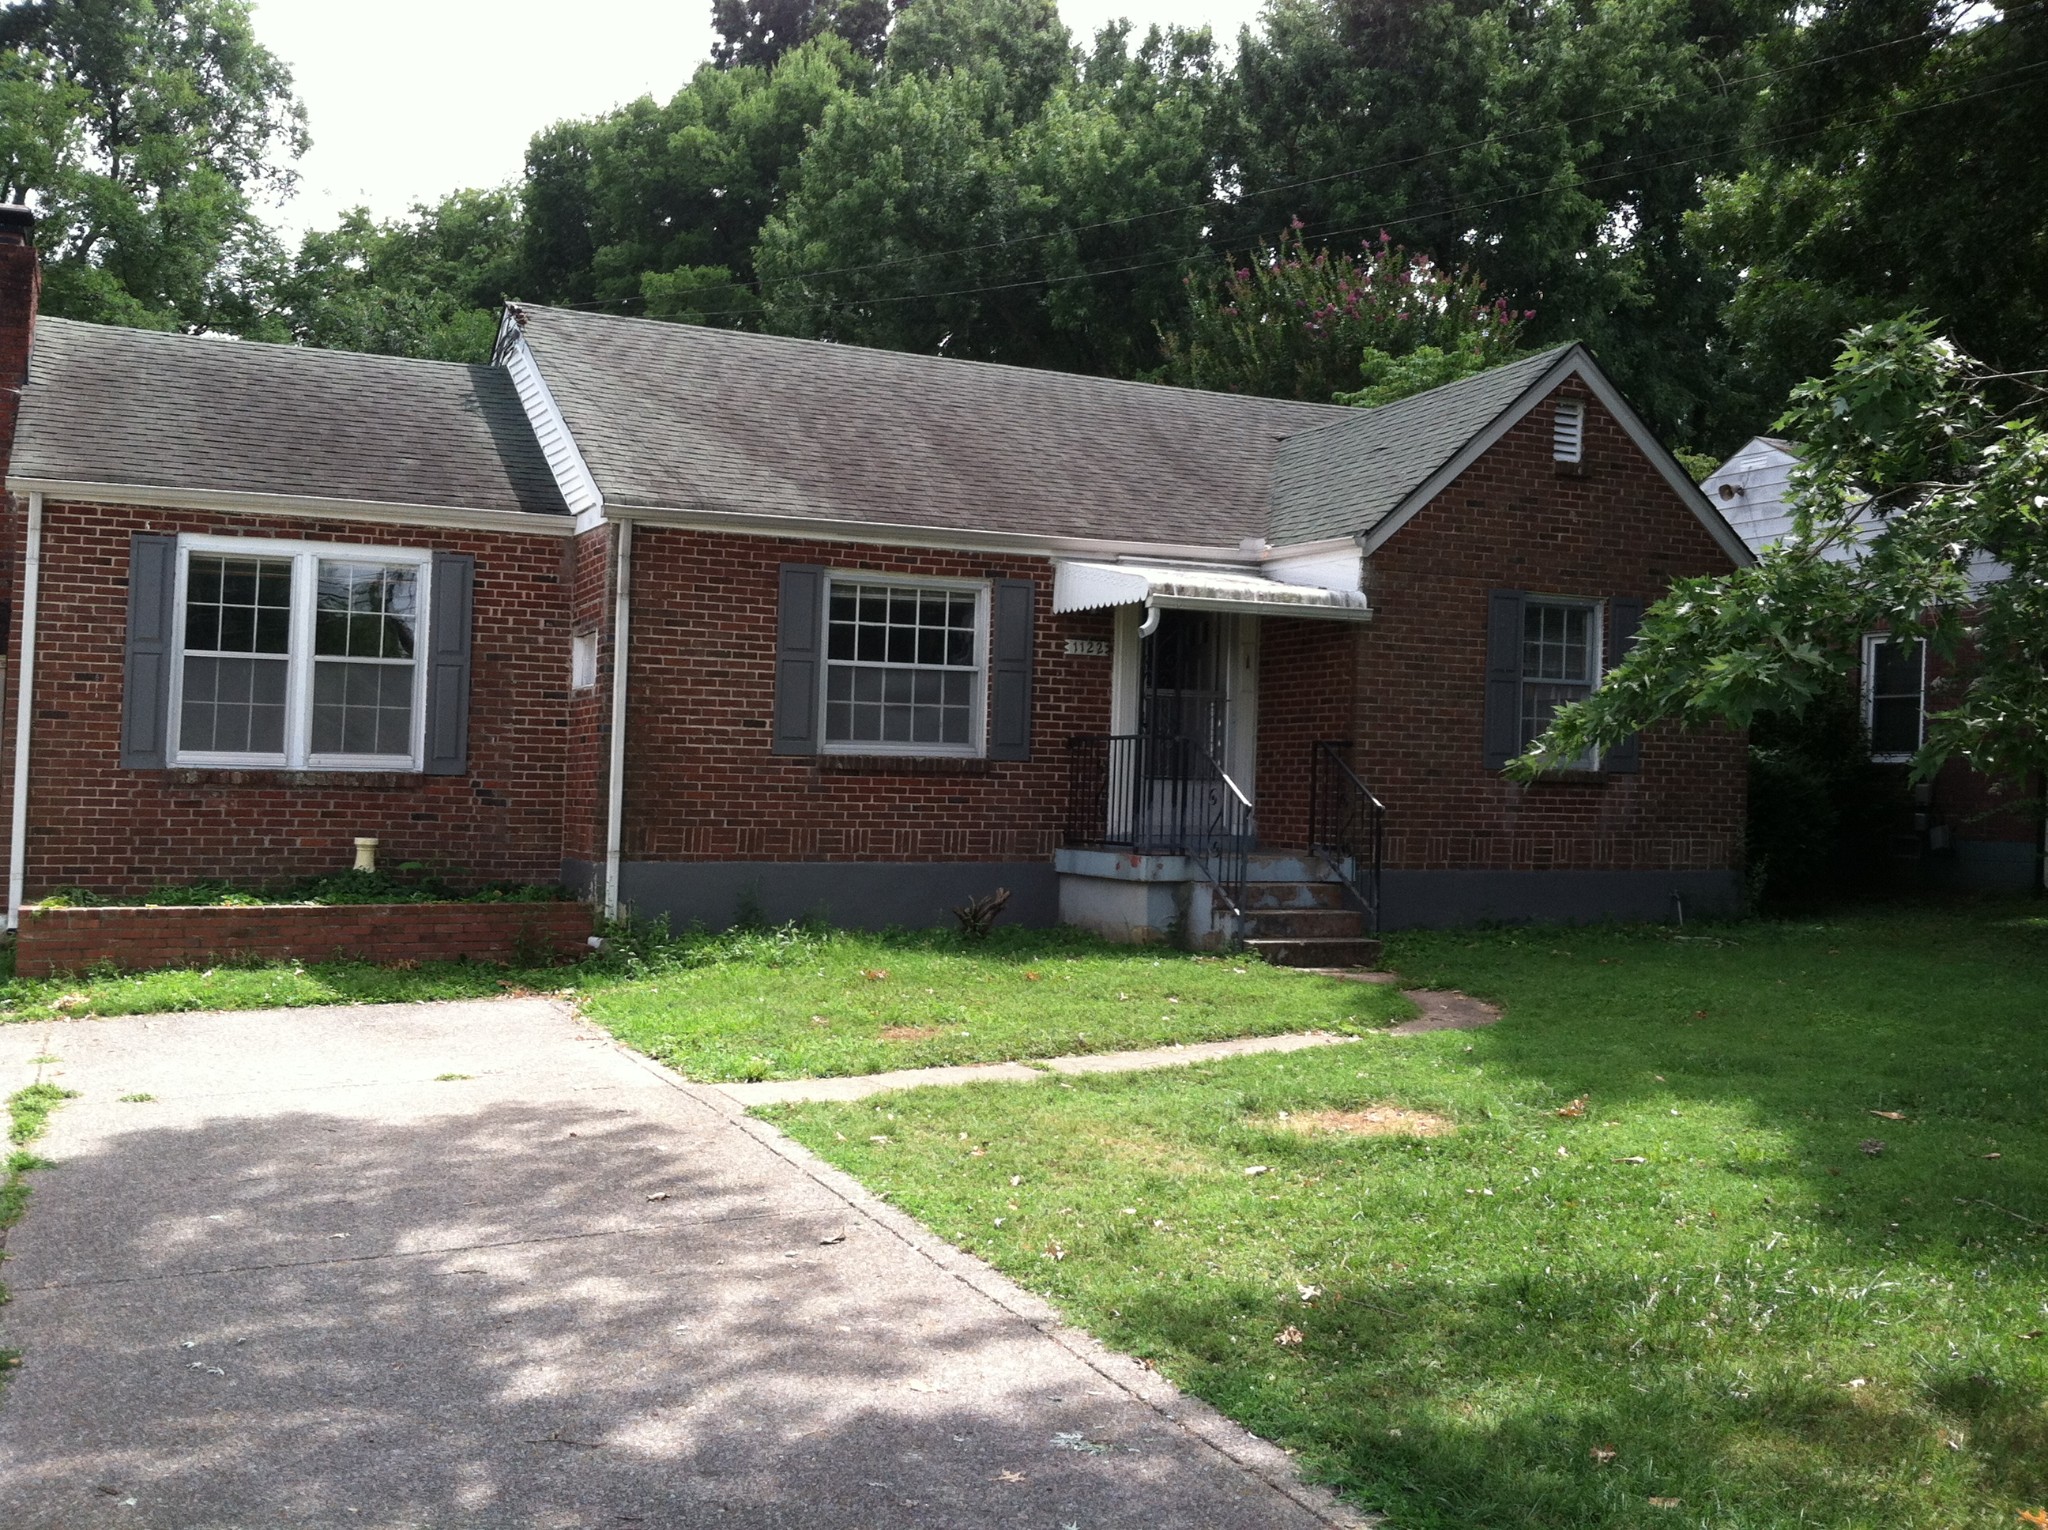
1182	587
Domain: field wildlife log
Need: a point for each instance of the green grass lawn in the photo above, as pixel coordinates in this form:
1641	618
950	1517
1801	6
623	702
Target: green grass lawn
284	985
1729	1294
796	1004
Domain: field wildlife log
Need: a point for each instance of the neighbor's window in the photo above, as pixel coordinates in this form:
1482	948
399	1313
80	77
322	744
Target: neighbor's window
299	655
1894	695
904	667
1560	663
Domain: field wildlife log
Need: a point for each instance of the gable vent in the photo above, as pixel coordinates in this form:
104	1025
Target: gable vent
1568	432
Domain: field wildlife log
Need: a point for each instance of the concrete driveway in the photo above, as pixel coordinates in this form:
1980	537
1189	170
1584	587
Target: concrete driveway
312	1282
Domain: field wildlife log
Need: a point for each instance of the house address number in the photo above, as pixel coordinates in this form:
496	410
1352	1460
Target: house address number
1089	648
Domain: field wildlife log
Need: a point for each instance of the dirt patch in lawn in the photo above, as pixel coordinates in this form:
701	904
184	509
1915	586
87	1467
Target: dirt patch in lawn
1373	1121
909	1032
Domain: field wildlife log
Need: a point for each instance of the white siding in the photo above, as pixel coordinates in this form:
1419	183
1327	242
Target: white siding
1759	483
1338	570
1751	489
572	473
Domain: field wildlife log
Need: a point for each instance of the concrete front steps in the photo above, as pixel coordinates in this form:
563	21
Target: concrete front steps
1297	914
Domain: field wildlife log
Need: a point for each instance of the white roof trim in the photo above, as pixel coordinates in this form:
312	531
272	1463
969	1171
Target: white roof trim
1575	362
544	418
531	523
1179	587
903	534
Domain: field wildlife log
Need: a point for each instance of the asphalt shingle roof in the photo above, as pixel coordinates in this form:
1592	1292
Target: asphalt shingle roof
129	406
680	417
1349	475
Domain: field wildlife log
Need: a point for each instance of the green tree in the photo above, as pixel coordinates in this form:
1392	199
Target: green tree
759	32
1292	322
1022	42
657	208
429	285
938	214
1557	147
1919	468
1895	163
147	135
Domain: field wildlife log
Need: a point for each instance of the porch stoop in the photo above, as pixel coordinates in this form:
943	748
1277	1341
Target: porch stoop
1295	912
1296	915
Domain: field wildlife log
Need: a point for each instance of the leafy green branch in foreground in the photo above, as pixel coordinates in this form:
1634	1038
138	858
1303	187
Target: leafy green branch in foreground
1919	505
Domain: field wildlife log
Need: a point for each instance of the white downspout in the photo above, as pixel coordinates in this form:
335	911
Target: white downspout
24	710
615	806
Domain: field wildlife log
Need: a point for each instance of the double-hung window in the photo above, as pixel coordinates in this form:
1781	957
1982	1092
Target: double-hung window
1560	664
1894	695
905	666
299	655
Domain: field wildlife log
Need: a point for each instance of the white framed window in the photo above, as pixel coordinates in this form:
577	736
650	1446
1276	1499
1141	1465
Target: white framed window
582	661
1894	695
906	665
1568	431
299	655
1560	664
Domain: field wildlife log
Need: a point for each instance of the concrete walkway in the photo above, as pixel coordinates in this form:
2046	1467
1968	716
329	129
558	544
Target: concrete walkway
782	1091
313	1283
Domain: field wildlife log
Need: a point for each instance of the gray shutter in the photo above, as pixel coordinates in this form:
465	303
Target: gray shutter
1502	734
799	658
1624	616
448	650
152	649
1009	671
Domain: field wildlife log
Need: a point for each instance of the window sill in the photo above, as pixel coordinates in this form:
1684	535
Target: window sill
1573	778
902	765
271	776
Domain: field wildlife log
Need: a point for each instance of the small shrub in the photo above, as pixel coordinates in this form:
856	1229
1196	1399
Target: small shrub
978	915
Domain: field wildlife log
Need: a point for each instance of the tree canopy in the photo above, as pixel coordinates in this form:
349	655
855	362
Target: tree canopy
1692	187
148	133
1312	324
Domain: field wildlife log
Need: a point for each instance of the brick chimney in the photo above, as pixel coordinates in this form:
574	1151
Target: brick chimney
21	281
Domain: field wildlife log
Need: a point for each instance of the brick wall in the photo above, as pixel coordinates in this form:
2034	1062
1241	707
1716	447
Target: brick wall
1308	679
587	770
94	825
1514	520
701	783
56	940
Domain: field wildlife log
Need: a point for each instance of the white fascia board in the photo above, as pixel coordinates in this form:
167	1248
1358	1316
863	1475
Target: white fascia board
565	459
901	534
1576	362
1332	566
234	502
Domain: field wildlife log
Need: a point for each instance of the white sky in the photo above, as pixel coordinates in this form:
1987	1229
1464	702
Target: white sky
409	99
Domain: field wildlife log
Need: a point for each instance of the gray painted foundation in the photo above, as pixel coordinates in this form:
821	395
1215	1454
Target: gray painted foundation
1437	899
858	895
1147	899
1987	865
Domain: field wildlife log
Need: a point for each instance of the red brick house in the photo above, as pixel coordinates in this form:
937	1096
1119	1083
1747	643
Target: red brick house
699	621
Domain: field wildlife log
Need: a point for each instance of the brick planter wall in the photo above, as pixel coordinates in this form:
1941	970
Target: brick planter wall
54	940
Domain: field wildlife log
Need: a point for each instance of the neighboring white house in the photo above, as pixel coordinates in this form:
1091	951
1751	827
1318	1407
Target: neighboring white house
1752	489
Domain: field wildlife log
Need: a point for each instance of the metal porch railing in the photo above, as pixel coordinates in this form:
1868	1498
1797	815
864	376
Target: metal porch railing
1160	796
1347	825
